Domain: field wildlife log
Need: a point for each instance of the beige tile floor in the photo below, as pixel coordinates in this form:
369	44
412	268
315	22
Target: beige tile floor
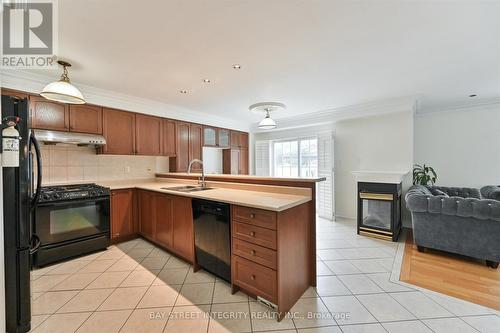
135	287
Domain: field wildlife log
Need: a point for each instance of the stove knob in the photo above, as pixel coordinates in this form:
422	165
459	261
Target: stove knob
56	196
45	197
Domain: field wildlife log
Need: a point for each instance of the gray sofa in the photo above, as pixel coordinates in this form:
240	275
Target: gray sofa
457	220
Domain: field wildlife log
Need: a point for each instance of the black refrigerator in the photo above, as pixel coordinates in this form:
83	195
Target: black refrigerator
20	193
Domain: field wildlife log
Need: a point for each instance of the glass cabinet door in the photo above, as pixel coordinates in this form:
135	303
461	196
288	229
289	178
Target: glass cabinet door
209	136
223	138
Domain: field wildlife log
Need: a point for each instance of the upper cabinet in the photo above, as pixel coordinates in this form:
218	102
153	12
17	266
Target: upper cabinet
49	115
168	138
182	147
119	131
239	139
223	135
210	136
195	145
215	137
85	119
14	93
147	135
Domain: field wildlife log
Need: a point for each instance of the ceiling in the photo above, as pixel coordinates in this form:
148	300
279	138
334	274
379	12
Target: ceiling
311	55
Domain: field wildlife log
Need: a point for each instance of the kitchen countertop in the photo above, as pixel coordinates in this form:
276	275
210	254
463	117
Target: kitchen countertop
243	197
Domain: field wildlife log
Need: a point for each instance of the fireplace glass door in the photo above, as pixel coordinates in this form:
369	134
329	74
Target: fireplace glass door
377	213
376	210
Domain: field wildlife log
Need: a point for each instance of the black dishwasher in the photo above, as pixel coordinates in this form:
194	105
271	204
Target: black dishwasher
212	237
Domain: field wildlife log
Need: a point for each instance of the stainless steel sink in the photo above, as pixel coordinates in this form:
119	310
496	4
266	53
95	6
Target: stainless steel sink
187	188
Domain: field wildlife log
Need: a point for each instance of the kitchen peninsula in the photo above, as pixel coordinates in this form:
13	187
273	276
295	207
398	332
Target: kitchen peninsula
273	227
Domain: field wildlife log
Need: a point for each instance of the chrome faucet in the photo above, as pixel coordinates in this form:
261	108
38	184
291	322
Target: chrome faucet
203	184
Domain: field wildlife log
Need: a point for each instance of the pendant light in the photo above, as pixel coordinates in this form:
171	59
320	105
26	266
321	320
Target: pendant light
267	123
63	91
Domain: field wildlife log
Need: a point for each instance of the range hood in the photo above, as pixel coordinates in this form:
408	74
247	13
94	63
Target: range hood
81	139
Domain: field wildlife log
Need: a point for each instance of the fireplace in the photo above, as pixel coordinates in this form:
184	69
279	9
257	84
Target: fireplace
379	210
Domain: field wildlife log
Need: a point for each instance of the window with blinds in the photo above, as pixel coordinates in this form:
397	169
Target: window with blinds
262	158
325	189
301	157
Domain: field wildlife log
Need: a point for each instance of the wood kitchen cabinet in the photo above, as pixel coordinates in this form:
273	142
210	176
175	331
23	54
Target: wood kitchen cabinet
168	138
181	161
243	162
119	131
183	230
235	161
148	135
85	118
216	137
164	220
122	213
267	249
239	139
210	138
14	93
168	221
195	145
146	214
223	136
49	115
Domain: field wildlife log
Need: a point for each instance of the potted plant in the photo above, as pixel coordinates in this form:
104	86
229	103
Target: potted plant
423	175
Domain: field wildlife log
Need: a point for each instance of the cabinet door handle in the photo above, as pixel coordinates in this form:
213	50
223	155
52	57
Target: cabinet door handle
252	215
252	277
252	233
253	252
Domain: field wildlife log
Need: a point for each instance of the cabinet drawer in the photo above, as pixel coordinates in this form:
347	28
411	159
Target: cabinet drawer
255	278
255	235
256	253
258	217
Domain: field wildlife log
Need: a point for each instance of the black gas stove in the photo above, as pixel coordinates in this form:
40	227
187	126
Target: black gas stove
71	220
72	192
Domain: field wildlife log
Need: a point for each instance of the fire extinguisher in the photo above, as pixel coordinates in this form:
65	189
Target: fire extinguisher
10	142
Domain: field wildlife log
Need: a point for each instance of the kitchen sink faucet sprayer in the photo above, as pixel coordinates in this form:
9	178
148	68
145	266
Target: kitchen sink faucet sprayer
203	184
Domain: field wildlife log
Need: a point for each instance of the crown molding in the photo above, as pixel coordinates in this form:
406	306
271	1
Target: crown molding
34	83
334	115
489	104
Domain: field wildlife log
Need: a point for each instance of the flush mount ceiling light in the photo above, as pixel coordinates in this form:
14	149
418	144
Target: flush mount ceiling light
63	91
267	123
236	66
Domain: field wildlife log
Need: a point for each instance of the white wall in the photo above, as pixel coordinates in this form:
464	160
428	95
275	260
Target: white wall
462	145
377	143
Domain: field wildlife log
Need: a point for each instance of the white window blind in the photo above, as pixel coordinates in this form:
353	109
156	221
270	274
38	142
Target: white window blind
262	158
325	189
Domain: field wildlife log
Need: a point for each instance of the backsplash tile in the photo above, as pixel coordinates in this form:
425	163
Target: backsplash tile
70	163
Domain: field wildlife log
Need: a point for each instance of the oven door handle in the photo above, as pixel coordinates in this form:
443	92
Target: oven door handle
73	201
37	243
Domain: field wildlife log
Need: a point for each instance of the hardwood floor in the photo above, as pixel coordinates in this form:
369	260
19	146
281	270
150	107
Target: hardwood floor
451	274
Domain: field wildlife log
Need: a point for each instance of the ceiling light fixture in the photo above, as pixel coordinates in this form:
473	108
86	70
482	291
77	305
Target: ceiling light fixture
236	66
267	123
63	91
